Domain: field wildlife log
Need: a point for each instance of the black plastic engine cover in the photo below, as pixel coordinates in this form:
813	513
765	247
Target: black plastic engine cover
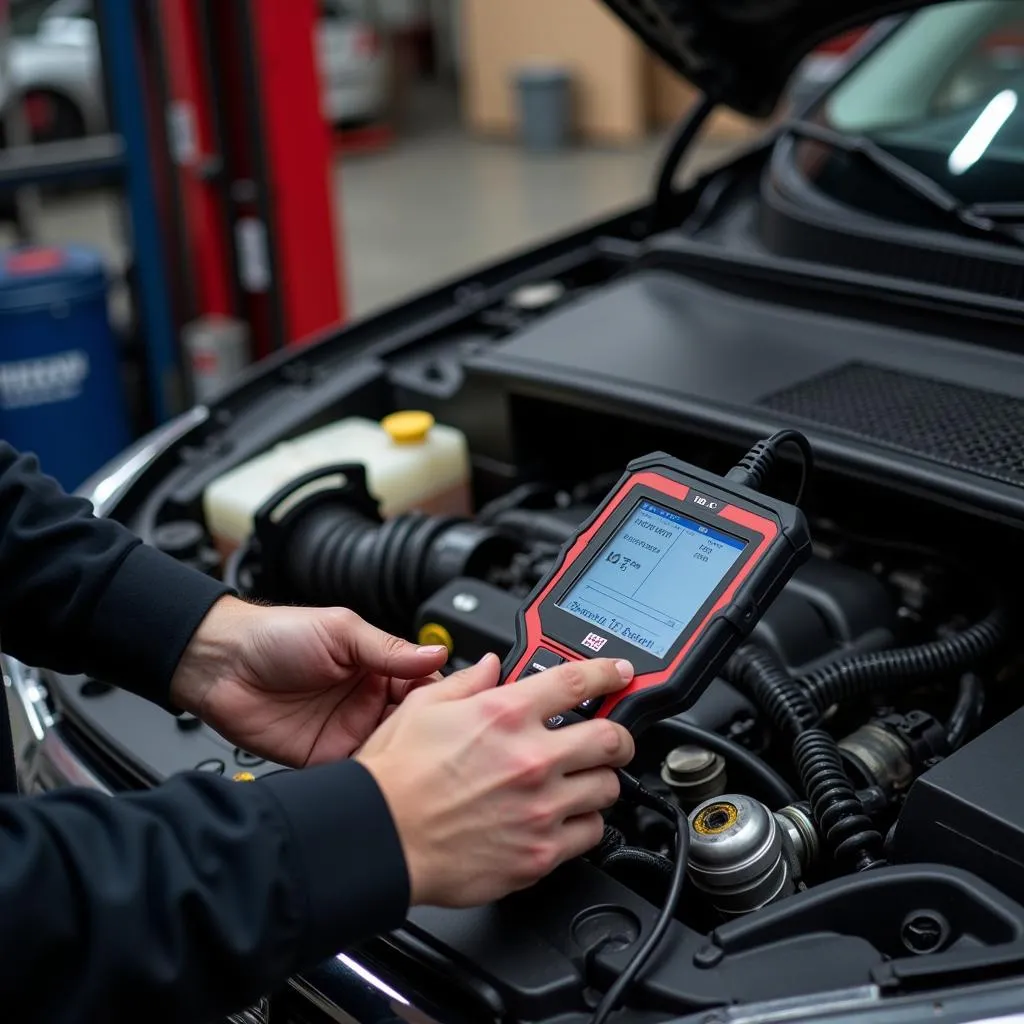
969	809
534	955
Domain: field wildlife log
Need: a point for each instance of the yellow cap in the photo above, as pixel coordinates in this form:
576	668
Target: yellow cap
244	777
432	633
408	427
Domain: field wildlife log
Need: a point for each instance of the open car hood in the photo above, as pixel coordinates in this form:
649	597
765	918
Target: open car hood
743	51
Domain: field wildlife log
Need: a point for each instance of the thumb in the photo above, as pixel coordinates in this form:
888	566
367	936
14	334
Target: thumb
482	676
376	651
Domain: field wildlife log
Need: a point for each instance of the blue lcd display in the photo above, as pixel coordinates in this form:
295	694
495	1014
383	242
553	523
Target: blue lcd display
652	577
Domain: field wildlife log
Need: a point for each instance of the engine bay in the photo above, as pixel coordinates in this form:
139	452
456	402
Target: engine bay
899	868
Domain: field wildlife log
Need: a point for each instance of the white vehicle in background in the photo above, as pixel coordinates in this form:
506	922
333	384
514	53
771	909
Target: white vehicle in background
55	65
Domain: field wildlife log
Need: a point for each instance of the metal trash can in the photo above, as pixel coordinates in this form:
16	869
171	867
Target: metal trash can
545	112
61	394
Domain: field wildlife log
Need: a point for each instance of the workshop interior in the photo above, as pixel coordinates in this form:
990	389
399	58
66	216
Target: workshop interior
745	405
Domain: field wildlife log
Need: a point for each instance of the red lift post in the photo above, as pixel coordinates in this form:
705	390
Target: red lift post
255	158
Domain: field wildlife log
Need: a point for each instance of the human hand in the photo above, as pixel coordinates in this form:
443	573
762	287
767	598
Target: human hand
486	799
298	686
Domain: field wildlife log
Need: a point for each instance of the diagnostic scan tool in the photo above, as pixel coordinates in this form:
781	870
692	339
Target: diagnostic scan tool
671	572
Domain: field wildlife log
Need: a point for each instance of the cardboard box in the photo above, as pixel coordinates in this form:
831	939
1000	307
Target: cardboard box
606	62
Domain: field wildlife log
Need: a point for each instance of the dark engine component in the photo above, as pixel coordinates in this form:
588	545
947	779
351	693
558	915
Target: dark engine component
470	617
827	610
890	752
968	810
330	547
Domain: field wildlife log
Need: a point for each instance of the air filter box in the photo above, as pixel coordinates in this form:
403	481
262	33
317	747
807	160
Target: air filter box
968	811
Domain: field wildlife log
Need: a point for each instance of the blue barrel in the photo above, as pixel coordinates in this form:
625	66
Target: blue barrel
61	394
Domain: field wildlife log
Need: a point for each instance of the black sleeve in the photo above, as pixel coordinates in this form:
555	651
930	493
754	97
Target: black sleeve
81	594
191	900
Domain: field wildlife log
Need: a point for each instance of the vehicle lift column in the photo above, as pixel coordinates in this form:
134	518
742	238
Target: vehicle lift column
254	167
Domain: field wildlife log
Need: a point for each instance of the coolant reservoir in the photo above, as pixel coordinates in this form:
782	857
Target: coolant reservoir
411	463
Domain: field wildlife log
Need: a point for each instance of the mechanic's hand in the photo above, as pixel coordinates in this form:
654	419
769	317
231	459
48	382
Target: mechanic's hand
296	685
486	799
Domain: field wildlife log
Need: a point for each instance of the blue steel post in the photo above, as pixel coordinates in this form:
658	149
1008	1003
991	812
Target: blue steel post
127	92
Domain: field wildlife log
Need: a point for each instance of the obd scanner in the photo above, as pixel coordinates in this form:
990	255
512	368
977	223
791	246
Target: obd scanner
671	572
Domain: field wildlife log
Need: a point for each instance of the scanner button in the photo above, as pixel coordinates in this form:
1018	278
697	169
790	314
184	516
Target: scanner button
539	661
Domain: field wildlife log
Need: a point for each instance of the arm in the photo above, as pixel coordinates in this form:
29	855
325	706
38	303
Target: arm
81	594
192	900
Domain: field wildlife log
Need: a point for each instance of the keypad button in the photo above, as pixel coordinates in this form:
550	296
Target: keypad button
539	661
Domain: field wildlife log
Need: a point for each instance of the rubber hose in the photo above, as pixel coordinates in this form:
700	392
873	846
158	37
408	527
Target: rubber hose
758	673
966	713
837	811
877	670
384	571
775	791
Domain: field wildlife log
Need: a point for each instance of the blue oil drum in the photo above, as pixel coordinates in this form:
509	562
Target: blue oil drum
61	394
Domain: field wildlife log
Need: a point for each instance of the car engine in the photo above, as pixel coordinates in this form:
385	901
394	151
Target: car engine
880	852
893	647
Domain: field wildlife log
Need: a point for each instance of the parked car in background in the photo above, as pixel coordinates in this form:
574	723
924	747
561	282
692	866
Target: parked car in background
55	64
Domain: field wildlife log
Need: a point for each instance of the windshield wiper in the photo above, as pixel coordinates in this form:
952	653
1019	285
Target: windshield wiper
986	219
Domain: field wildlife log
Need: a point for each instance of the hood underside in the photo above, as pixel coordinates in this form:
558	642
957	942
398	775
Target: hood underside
741	52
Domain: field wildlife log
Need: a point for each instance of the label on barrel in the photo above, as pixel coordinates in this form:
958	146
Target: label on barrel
56	378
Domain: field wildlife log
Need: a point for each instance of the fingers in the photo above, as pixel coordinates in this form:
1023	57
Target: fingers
560	689
401	688
580	835
585	745
586	792
380	652
482	676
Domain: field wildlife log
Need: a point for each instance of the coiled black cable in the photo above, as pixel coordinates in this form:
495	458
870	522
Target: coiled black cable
836	808
862	674
759	673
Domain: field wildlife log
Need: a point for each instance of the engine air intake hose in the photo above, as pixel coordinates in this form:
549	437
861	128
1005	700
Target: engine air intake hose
862	674
330	549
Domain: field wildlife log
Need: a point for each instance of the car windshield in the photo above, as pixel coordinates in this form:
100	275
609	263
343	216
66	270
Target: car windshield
945	95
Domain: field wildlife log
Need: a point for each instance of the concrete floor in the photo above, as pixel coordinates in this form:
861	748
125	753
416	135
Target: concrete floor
432	206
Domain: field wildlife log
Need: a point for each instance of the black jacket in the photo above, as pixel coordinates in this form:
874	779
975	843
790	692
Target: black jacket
201	895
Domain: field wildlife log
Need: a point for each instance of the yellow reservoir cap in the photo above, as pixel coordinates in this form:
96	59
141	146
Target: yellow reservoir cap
432	633
243	777
408	427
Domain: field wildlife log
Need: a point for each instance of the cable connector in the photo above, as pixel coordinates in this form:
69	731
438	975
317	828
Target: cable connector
753	469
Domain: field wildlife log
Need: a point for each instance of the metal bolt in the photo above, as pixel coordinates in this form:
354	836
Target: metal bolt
465	602
683	762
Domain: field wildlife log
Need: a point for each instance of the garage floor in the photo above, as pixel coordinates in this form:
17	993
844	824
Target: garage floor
432	206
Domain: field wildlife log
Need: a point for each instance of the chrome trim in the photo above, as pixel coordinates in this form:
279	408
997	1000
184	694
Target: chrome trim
106	487
42	759
347	990
863	997
26	687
